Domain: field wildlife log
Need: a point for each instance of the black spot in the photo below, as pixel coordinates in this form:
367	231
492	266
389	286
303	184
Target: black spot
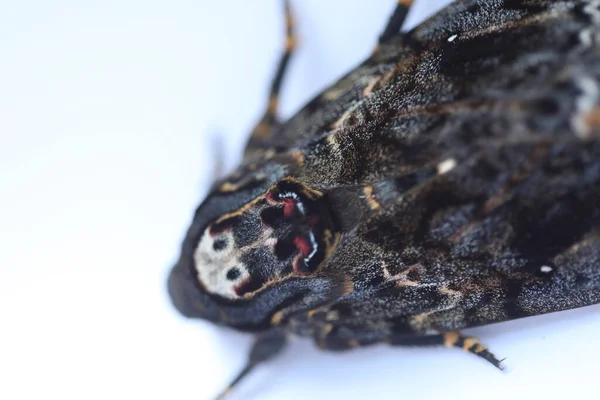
413	275
233	273
219	244
473	8
546	106
284	249
273	217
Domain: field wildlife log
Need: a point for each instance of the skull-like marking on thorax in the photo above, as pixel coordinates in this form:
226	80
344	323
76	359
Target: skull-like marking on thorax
286	231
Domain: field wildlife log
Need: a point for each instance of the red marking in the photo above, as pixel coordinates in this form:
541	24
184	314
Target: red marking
289	205
239	288
302	245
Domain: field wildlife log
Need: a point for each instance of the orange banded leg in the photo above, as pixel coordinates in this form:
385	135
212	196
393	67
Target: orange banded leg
451	339
269	118
396	20
472	345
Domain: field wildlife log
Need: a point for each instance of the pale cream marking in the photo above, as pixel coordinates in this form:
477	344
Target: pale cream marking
368	90
450	292
546	269
212	266
269	153
452	38
420	319
342	120
333	143
585	104
228	187
334	94
373	203
332	316
401	278
298	157
276	318
592	10
270	242
446	166
266	238
586	37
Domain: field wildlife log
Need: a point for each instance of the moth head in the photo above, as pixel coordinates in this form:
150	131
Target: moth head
286	231
268	250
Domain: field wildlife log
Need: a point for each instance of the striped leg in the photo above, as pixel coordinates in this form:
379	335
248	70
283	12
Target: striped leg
396	20
453	339
472	345
269	118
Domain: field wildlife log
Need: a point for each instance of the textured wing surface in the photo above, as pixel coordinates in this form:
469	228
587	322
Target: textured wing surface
463	162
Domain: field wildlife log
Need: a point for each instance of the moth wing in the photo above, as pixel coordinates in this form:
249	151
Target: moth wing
513	232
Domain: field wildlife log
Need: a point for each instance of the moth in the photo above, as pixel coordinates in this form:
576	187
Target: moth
449	181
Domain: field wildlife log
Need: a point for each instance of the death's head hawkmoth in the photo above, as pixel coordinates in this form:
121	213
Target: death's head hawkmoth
451	180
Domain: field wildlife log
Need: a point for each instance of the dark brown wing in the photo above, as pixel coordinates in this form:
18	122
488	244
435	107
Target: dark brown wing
464	171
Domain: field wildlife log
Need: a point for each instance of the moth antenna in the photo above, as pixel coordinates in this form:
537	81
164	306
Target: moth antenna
235	381
266	346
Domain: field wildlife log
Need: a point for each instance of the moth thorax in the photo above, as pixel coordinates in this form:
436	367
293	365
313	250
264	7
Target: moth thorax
287	231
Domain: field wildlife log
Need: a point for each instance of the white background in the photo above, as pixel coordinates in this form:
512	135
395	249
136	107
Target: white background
107	109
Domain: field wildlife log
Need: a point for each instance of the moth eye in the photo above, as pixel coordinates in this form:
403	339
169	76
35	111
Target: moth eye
219	244
233	273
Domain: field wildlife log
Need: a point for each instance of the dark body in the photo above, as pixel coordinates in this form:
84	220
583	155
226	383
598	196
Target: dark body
457	176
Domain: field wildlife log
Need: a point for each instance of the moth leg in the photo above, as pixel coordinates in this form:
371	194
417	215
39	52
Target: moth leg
454	339
266	346
396	20
472	345
269	118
